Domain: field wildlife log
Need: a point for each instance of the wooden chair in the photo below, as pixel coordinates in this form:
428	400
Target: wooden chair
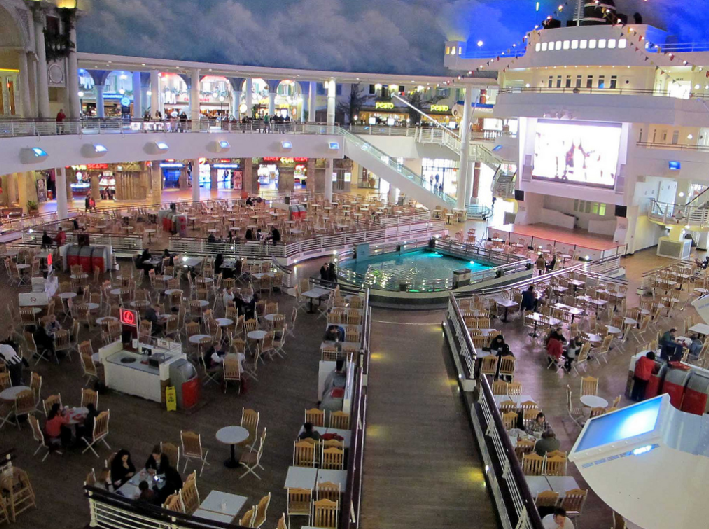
547	498
332	458
507	367
532	465
315	416
529	415
261	510
192	449
174	503
489	366
189	495
303	454
325	513
249	516
62	343
340	420
523	447
249	420
100	432
576	414
499	387
89	396
514	388
507	406
589	386
252	459
24	405
232	371
299	503
38	435
50	401
327	490
509	420
574	502
17	491
87	363
596	412
555	466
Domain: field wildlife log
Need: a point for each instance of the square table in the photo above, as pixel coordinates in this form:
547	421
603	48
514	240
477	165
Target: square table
333	476
537	484
345	434
213	516
223	503
301	478
518	399
562	484
701	328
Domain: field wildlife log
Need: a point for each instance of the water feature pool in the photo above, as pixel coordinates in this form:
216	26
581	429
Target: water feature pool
423	270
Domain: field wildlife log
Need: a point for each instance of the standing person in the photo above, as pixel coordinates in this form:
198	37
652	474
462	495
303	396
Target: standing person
541	264
643	371
529	299
61	116
331	275
323	272
61	237
669	345
266	122
87	204
183	121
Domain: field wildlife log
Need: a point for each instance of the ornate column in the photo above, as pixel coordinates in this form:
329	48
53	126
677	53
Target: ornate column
24	84
194	108
154	92
42	79
72	82
137	103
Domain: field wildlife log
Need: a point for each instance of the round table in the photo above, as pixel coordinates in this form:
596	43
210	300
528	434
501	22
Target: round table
202	302
77	415
92	306
79	276
224	322
270	317
594	401
199	339
115	291
67	295
106	319
11	393
613	330
140	304
232	435
170	291
256	335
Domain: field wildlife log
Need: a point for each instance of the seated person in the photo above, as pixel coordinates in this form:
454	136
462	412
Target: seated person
538	426
497	343
214	356
548	443
166	255
669	347
552	264
529	299
572	351
504	351
228	297
122	468
173	483
86	429
695	347
211	238
147	495
52	325
334	333
308	432
56	428
557	520
157	461
43	340
555	349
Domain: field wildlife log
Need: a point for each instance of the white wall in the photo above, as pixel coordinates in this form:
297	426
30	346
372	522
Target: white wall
566	205
66	150
408	147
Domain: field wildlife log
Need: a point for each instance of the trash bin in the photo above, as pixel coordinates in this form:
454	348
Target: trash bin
675	382
696	395
181	373
190	393
461	277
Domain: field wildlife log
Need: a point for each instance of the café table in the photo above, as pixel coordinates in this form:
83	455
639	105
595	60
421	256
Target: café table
213	516
106	320
537	484
150	232
562	484
345	434
301	478
508	304
700	328
77	415
593	401
313	294
232	435
224	322
9	394
538	318
256	335
339	477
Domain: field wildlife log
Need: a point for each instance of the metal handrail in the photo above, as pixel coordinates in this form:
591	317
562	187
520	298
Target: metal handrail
583	90
678	214
672	146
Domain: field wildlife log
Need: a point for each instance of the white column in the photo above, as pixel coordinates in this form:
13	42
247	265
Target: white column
194	107
100	111
24	84
60	187
249	90
311	101
137	106
22	190
271	103
32	72
195	180
328	178
73	78
391	195
154	92
42	80
331	95
235	103
464	172
302	108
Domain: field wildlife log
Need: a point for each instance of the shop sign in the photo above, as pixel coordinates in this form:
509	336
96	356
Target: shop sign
271	158
97	166
439	108
384	104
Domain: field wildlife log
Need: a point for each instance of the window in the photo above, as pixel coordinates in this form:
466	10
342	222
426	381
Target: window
544	46
587	206
558	45
574	44
568	81
558	81
611	43
592	44
623	43
448	50
589	81
537	47
582	44
601	81
601	43
675	137
567	44
460	50
551	81
578	81
614	82
372	89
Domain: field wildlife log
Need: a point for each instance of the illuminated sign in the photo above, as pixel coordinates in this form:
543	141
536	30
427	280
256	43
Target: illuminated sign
96	166
439	108
128	317
384	104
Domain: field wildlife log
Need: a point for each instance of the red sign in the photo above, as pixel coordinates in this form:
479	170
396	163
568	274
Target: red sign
300	160
49	259
271	158
97	166
225	160
128	317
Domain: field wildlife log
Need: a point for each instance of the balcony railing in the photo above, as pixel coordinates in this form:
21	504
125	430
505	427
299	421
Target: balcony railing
606	91
676	214
673	146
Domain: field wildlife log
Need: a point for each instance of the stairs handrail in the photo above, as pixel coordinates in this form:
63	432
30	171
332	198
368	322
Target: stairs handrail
432	120
699	195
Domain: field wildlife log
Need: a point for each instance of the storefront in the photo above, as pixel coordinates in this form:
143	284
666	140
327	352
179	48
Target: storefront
171	173
437	171
383	113
229	174
268	173
442	114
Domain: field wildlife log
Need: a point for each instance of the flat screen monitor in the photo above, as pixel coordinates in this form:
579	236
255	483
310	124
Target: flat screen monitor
581	153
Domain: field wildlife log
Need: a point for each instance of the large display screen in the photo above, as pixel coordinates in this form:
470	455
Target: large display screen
577	153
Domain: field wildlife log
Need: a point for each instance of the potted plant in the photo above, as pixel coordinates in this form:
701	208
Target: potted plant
32	207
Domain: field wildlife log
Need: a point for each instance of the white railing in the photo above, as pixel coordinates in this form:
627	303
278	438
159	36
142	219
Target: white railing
446	138
382	130
504	189
676	214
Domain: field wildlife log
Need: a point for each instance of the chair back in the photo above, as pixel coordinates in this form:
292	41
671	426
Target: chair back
101	425
249	516
88	364
508	405
574	501
315	416
507	365
332	458
547	498
327	490
304	454
509	420
36	429
249	420
489	365
532	464
61	340
50	401
499	387
174	503
24	402
524	446
36	386
340	420
299	501
5	380
282	524
514	388
589	386
191	444
555	466
189	494
88	395
261	510
172	452
325	513
232	371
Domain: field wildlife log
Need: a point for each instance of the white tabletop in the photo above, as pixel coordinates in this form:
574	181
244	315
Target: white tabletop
701	328
224	322
630	321
562	484
257	335
213	516
67	295
333	476
103	319
316	292
12	392
270	317
613	330
537	484
232	435
345	434
301	478
169	291
197	338
594	401
507	303
223	503
517	399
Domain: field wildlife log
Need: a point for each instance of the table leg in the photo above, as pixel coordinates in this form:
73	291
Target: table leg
505	320
232	462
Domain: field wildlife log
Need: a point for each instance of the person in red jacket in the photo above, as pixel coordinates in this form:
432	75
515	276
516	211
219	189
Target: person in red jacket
61	237
555	348
643	371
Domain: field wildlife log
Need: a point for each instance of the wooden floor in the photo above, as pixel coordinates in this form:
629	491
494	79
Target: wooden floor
421	469
563	235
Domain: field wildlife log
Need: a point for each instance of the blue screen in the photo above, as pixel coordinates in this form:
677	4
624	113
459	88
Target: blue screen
620	425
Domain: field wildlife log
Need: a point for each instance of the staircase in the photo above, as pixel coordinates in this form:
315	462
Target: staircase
693	217
401	177
503	185
446	138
